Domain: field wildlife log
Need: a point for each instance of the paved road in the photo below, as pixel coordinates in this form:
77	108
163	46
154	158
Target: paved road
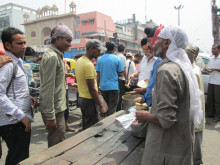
211	142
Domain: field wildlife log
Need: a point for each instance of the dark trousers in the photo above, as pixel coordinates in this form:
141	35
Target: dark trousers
213	101
17	141
89	112
67	111
111	98
121	93
56	135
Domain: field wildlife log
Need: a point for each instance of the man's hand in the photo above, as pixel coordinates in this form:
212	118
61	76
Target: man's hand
209	70
130	77
138	100
102	111
5	59
139	90
34	101
27	123
70	75
141	116
51	124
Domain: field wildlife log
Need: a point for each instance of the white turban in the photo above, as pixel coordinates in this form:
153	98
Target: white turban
177	54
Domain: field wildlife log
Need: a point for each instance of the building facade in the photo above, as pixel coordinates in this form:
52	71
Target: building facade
38	31
94	25
13	15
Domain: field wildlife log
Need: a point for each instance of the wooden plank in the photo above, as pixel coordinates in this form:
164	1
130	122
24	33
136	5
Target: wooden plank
70	143
103	150
87	146
135	157
59	162
121	152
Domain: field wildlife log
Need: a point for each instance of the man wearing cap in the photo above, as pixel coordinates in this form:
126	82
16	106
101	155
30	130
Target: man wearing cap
198	60
176	104
130	66
53	86
109	67
87	85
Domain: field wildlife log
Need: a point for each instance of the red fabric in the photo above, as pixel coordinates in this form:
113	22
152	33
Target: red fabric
155	37
70	80
2	50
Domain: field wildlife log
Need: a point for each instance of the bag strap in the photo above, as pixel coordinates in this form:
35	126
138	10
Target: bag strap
11	83
128	69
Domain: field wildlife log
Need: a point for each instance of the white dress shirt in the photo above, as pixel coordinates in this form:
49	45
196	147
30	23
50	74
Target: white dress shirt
132	68
13	110
214	77
145	68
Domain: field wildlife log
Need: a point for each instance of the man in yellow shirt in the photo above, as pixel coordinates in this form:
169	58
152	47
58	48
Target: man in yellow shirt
87	85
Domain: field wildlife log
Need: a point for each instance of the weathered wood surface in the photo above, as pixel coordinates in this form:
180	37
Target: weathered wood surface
104	143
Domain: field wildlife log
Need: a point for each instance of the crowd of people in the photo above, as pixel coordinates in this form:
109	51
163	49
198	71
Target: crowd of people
175	91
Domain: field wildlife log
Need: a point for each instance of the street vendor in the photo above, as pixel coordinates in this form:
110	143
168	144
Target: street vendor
176	104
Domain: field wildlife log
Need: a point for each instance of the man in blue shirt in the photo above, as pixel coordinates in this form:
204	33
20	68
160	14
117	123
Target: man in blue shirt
151	38
109	67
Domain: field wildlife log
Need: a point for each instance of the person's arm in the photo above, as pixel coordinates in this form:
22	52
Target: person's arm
217	70
48	77
4	60
98	80
95	95
166	109
142	116
121	74
136	74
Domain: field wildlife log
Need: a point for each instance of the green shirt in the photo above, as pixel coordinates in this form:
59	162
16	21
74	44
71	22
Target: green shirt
52	83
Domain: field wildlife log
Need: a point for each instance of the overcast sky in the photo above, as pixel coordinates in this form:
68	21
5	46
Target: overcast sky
195	16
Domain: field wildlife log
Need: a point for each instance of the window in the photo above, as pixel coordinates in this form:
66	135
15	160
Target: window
77	35
140	36
46	32
77	22
92	22
33	34
84	23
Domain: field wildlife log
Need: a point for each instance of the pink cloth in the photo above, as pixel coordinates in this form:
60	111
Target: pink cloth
155	37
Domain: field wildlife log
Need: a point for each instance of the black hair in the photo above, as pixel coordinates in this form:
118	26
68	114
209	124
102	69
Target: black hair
121	48
51	34
151	33
110	46
197	49
143	41
147	30
8	33
138	55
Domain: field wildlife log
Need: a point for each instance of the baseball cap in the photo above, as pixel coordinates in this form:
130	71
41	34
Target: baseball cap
96	44
128	55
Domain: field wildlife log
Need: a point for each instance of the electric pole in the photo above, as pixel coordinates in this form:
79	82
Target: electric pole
178	8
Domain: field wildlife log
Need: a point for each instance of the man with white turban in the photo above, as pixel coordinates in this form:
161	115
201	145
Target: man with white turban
176	104
53	85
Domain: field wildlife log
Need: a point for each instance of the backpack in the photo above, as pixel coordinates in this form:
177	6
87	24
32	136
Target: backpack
15	69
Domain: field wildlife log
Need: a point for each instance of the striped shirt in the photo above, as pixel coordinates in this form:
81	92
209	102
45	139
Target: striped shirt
13	110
